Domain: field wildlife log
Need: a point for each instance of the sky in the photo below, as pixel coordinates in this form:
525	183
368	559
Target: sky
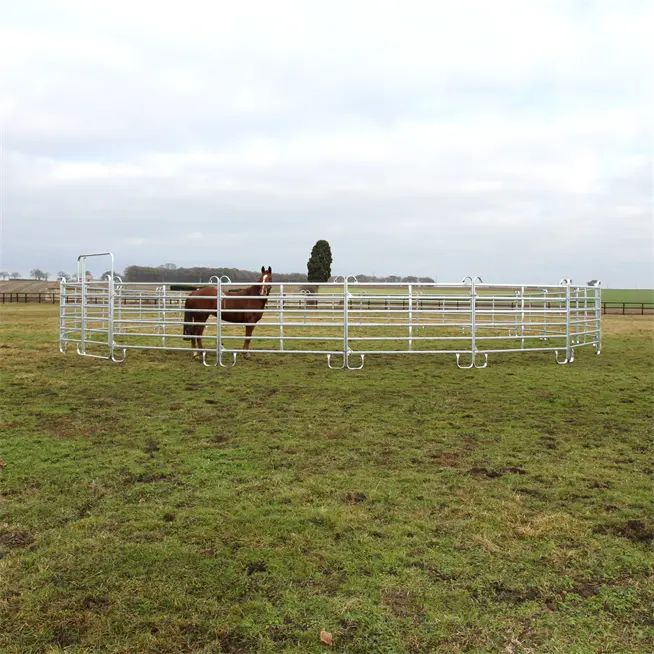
511	140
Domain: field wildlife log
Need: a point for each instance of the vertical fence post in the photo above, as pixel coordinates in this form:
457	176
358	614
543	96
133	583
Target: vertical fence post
163	312
281	317
110	316
81	275
473	319
410	317
62	314
219	322
568	347
522	317
346	329
598	317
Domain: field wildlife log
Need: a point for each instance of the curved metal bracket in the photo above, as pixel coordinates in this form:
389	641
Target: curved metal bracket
458	363
108	276
342	279
347	361
222	364
79	350
223	279
469	280
63	347
204	360
568	359
219	360
473	360
116	359
485	355
329	362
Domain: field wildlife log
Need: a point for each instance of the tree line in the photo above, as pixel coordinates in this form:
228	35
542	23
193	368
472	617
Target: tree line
198	274
318	270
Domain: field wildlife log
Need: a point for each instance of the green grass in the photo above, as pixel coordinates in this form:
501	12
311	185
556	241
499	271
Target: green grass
627	295
160	506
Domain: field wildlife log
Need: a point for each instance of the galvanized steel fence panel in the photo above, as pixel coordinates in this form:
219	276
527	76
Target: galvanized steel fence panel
343	320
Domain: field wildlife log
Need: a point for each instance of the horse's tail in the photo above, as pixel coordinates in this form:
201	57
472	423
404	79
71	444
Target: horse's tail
188	320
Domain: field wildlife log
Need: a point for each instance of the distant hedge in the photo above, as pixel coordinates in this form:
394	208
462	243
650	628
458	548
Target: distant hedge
200	274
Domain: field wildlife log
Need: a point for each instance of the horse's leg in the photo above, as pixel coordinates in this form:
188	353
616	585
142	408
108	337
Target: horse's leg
199	339
198	329
194	342
246	346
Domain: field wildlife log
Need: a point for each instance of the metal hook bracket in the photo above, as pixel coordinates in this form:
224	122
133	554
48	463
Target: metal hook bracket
568	359
458	360
223	279
329	362
483	365
347	361
227	365
115	359
219	360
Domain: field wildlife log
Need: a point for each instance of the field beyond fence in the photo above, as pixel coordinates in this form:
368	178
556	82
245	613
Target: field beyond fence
160	506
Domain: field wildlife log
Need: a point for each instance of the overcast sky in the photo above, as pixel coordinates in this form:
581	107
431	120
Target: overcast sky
512	140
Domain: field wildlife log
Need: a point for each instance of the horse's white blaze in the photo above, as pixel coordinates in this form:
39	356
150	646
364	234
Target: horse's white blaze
264	280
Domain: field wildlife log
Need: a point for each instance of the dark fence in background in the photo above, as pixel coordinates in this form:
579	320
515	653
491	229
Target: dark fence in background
40	298
628	308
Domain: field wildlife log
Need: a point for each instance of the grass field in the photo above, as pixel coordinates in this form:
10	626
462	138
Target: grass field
159	506
627	295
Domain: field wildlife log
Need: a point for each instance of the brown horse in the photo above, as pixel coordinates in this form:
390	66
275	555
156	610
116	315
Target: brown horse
246	309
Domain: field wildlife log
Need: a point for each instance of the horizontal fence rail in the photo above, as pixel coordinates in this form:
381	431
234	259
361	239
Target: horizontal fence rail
345	321
621	308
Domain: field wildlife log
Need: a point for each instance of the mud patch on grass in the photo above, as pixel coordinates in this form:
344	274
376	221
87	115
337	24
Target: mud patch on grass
14	537
636	530
95	603
151	447
503	593
235	642
403	603
514	470
586	589
149	477
352	497
548	442
478	471
494	473
255	566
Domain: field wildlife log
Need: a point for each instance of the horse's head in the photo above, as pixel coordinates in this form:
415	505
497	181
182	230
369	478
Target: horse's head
265	280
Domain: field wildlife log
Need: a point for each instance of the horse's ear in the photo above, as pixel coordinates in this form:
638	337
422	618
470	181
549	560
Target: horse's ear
263	270
269	270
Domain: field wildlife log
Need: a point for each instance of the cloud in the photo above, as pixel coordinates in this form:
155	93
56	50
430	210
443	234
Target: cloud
510	138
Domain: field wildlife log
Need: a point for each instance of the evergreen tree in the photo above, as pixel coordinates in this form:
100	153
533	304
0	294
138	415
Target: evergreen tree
319	265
